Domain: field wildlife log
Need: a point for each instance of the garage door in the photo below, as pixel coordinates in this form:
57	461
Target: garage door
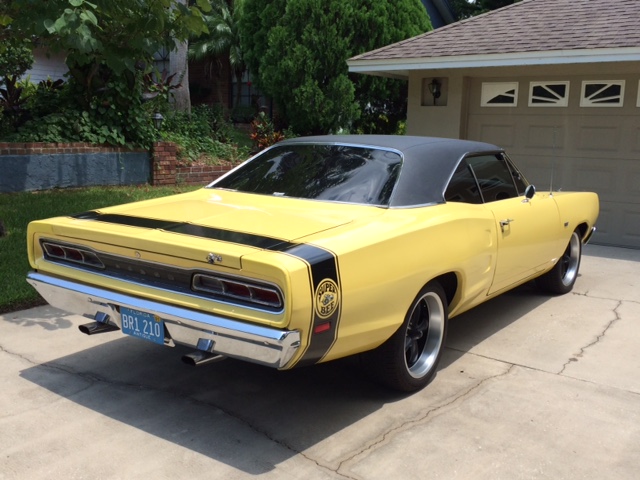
570	134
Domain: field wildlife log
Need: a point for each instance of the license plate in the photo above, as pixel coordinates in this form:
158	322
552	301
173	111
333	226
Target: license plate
142	325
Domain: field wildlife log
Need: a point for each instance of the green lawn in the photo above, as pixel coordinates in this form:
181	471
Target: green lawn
18	209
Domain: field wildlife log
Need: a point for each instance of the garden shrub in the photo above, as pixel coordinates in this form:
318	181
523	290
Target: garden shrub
204	135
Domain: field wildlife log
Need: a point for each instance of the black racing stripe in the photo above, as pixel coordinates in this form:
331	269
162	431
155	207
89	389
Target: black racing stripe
125	220
249	239
323	265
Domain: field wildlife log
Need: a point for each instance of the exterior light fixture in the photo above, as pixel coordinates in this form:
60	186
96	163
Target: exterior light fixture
157	120
434	88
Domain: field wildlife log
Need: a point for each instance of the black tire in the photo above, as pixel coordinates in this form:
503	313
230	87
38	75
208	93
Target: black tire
562	277
409	359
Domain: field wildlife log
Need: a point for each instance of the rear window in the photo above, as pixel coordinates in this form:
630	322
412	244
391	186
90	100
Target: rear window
337	173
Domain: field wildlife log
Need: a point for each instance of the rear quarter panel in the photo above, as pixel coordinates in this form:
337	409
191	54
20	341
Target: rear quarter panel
385	263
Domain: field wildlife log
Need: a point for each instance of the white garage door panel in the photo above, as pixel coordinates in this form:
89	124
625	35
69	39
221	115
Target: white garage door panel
542	137
597	139
499	134
631	218
605	232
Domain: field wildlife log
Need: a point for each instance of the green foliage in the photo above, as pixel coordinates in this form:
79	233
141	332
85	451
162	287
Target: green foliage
16	57
119	34
297	54
115	116
222	39
109	47
380	23
202	136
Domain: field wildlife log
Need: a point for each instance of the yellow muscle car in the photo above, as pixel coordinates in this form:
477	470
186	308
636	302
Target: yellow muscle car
315	249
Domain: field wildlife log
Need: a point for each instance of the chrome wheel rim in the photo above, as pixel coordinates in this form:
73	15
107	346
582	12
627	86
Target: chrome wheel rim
570	260
424	335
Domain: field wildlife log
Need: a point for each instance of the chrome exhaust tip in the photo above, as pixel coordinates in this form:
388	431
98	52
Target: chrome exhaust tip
199	358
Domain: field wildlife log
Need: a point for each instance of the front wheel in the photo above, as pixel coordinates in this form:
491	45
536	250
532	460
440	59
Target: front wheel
561	278
409	359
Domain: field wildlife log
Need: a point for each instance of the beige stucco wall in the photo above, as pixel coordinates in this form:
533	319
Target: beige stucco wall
445	118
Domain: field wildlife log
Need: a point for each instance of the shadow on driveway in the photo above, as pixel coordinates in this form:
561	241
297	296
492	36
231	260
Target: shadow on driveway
246	416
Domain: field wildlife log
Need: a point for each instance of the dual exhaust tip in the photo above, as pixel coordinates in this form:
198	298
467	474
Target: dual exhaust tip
194	359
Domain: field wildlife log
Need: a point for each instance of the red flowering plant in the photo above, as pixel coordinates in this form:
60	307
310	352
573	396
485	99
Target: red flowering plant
263	132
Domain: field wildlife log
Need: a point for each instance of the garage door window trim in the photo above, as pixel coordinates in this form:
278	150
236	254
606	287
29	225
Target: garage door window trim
602	93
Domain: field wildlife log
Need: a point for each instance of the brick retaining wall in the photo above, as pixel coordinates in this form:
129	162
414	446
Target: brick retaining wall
167	171
39	148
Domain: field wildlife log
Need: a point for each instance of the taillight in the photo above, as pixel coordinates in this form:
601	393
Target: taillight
232	289
71	253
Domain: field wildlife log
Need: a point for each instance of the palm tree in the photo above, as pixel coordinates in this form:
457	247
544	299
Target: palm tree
223	39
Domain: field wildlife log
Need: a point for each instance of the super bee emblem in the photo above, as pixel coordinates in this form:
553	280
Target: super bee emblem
327	298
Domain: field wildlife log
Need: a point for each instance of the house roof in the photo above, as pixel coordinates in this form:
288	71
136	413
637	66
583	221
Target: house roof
530	32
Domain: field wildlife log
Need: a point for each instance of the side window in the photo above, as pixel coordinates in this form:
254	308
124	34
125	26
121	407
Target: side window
494	177
518	178
463	187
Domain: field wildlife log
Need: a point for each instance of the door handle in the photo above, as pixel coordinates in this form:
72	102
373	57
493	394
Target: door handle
505	223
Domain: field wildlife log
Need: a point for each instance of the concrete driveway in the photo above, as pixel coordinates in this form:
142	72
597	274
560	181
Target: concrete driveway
530	387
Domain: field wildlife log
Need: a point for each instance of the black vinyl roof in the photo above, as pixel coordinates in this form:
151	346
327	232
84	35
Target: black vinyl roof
428	162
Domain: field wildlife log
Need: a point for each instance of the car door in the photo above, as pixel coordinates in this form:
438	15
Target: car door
528	229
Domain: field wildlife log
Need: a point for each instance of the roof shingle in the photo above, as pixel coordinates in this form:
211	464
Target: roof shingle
527	26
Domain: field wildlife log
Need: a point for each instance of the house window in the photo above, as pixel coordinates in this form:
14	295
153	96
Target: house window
499	94
161	61
602	93
548	94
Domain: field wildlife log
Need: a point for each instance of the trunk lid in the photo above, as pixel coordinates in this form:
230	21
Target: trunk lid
225	224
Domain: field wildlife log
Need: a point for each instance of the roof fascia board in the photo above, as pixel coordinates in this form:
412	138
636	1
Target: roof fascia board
497	60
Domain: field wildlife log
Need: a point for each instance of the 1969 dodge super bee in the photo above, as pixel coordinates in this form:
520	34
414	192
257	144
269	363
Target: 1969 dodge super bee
315	249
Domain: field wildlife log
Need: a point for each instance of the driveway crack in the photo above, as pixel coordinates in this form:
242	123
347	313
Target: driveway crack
597	340
425	416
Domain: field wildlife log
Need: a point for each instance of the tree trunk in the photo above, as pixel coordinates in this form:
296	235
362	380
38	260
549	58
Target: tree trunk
178	64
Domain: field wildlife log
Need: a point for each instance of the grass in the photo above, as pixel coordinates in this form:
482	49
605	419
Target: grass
18	209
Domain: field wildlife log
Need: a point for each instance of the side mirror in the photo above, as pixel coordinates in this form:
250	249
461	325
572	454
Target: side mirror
529	192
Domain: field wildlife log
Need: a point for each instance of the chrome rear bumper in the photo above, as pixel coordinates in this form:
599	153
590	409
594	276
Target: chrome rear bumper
253	343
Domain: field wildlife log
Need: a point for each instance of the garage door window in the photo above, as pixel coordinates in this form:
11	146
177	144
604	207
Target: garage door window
499	94
548	94
602	93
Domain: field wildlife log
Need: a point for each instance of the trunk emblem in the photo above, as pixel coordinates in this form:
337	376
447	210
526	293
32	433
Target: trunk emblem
212	258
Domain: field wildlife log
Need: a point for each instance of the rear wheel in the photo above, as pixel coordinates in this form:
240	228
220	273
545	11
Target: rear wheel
409	359
561	278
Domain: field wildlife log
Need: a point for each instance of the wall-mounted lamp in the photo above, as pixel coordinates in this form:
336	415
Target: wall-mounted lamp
434	88
157	120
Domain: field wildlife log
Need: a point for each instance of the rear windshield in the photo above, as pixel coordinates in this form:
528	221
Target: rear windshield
322	172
